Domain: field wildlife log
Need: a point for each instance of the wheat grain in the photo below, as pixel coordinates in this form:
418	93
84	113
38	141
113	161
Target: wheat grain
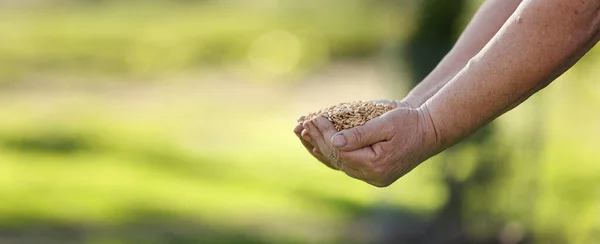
348	115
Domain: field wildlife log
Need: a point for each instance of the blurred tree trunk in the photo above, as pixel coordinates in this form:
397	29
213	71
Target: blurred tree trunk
471	195
436	32
438	27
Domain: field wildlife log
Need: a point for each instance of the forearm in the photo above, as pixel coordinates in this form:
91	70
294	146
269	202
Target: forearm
540	41
484	25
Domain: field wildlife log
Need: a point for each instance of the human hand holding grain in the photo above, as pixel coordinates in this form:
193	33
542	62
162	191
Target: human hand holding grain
380	151
530	51
480	30
302	131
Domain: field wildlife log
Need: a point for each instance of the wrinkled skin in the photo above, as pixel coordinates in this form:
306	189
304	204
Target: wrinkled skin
379	152
508	52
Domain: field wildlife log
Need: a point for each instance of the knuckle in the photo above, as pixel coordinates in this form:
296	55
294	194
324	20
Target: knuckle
377	157
358	133
388	126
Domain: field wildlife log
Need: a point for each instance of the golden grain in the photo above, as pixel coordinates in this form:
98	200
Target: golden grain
348	115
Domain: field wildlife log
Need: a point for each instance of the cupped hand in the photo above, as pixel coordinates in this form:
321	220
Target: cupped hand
302	132
379	152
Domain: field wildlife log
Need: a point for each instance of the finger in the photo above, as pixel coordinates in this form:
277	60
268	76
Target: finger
326	128
316	153
307	144
320	143
305	137
301	119
375	130
306	134
360	158
316	137
306	141
302	134
298	129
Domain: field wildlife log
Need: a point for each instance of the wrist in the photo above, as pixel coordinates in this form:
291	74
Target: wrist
432	138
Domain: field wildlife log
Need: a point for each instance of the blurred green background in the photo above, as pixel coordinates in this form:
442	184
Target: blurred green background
156	121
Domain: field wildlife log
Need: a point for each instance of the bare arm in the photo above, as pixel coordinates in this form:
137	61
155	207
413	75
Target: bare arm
540	41
484	25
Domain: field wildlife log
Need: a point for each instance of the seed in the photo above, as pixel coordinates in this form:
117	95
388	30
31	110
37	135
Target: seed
348	115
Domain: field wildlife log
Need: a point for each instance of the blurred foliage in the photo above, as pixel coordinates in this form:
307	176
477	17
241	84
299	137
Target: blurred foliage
157	37
211	158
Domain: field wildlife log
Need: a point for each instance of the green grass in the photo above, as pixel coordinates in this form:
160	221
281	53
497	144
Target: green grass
112	159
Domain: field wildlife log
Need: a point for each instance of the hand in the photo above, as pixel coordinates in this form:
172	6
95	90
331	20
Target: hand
301	131
382	150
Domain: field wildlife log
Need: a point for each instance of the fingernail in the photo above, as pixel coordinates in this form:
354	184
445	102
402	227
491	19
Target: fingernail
339	140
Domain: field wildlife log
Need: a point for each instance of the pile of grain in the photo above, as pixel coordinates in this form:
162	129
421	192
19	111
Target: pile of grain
348	115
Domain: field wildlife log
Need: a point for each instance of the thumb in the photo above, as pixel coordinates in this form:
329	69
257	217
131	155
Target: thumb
373	131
